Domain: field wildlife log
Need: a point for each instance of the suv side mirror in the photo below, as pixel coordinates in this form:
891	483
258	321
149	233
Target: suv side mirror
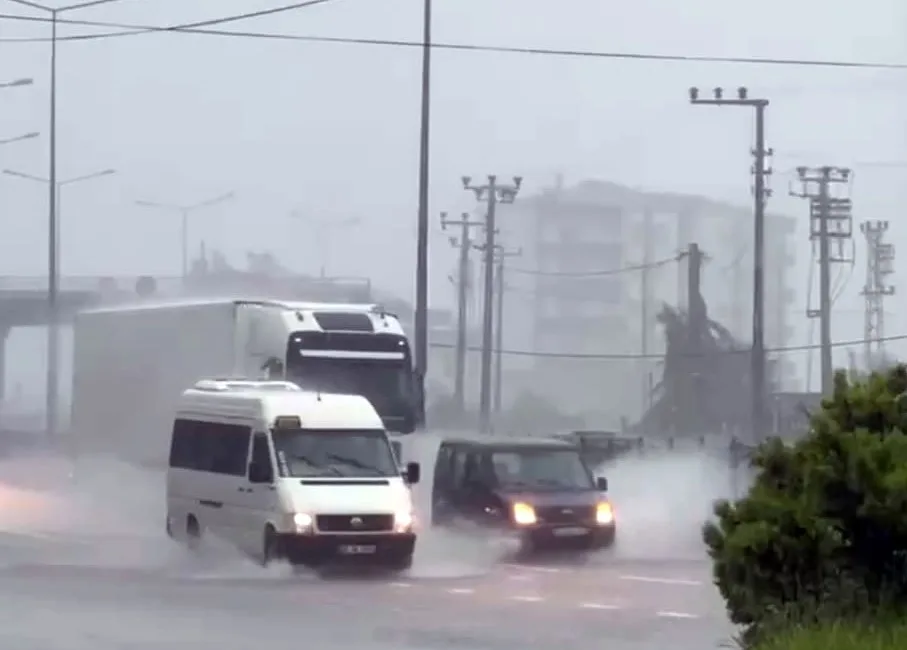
260	473
413	473
601	483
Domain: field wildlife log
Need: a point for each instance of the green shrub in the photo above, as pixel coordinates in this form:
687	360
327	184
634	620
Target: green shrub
843	635
822	533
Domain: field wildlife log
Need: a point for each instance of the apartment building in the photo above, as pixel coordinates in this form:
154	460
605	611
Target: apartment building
572	236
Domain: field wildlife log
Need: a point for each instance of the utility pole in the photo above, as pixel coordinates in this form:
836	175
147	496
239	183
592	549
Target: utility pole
879	265
493	193
463	285
501	254
645	298
830	219
760	173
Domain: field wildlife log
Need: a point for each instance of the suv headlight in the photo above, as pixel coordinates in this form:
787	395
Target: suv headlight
403	521
604	514
524	514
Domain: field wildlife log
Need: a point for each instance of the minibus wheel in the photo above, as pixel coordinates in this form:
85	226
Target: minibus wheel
270	550
193	533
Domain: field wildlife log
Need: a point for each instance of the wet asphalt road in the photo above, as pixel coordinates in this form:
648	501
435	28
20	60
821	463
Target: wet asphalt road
53	597
88	566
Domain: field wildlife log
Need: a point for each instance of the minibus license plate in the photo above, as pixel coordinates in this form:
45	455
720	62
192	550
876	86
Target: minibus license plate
357	549
571	531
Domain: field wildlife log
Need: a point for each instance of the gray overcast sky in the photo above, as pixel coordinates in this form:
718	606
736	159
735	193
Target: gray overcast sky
332	129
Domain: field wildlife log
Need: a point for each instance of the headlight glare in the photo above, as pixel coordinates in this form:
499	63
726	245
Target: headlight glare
523	514
302	520
403	521
604	513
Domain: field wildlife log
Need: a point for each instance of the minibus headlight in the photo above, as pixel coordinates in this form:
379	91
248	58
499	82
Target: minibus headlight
403	521
604	514
523	514
303	521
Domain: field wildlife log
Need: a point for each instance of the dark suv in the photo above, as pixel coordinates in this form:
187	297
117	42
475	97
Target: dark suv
541	489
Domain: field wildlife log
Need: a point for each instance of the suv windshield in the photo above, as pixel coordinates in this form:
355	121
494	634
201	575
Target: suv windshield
334	453
541	469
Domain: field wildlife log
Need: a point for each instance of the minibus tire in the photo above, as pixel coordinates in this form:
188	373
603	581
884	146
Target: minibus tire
402	564
270	546
193	533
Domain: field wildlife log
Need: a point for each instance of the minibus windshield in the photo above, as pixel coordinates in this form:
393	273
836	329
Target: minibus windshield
334	453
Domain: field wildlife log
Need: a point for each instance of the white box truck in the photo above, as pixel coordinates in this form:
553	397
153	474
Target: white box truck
131	364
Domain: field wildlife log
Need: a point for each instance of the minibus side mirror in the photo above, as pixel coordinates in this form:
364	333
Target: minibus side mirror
413	473
601	483
260	473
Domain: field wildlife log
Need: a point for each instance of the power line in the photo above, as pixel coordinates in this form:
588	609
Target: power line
136	30
592	274
581	355
197	29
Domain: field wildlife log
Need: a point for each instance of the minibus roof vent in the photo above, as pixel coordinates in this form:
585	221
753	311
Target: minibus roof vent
223	385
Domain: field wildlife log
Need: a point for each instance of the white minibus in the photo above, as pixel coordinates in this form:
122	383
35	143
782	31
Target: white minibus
285	473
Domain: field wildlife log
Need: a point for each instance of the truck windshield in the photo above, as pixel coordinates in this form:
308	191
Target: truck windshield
334	453
541	469
385	383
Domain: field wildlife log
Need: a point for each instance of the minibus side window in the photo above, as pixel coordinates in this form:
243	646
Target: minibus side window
210	447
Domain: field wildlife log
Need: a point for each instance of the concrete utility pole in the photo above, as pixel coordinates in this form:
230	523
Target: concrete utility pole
830	220
645	300
501	255
760	194
465	243
185	211
879	265
494	193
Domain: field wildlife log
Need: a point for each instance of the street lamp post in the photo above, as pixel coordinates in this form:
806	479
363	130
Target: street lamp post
19	138
53	329
760	194
185	211
324	228
53	279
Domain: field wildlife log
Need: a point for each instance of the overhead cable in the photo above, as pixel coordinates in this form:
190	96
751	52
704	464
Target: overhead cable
203	28
604	272
742	350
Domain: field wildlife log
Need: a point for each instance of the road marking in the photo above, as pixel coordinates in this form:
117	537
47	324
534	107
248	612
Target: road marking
676	615
461	590
598	606
663	581
400	585
537	569
528	599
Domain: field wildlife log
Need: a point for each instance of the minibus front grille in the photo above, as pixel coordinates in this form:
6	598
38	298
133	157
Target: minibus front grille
354	523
